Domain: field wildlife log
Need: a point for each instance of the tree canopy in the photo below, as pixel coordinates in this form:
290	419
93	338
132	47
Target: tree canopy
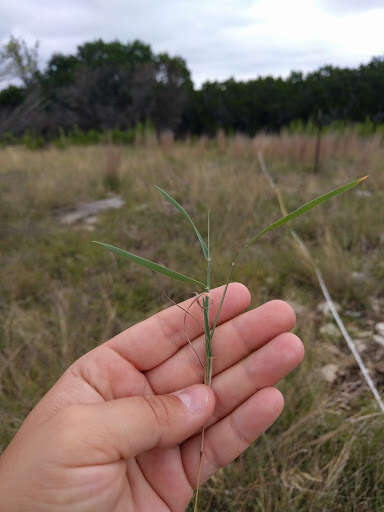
107	85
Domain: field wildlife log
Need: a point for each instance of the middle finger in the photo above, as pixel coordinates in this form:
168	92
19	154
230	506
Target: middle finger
232	341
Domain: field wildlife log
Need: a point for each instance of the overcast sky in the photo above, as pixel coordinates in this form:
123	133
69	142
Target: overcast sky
217	38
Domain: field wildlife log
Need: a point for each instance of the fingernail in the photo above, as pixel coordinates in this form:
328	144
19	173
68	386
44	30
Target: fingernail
195	398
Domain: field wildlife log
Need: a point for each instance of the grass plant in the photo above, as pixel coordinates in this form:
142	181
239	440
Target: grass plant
205	288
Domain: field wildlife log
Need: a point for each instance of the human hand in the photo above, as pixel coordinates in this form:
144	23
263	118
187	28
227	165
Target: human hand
120	429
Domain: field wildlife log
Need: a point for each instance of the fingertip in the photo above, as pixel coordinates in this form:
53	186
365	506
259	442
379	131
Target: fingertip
276	400
241	292
284	311
295	347
269	401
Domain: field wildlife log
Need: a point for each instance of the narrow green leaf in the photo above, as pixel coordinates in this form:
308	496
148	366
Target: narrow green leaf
304	208
221	303
151	265
188	217
207	330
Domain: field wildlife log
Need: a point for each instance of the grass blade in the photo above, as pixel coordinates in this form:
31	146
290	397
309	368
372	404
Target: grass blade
151	265
188	217
304	208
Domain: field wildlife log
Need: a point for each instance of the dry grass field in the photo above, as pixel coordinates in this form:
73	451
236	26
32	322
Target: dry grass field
60	295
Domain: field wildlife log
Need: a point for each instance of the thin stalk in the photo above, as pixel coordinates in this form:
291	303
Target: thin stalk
207	328
208	343
208	357
208	256
209	331
207	382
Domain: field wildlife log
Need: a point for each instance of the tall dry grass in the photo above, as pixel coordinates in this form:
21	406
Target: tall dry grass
59	296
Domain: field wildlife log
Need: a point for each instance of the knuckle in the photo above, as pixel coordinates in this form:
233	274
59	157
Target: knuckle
160	410
213	455
238	432
221	407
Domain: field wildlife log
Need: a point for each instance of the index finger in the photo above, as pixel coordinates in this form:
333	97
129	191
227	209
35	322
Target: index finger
153	341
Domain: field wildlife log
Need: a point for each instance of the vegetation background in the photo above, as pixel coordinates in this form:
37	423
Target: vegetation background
60	295
114	118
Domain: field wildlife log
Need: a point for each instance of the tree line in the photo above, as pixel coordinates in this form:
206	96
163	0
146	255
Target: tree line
118	86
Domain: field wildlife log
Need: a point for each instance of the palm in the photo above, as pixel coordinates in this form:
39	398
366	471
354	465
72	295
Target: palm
251	352
155	480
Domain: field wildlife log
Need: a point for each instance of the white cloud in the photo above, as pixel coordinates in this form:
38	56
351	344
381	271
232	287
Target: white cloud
218	39
348	6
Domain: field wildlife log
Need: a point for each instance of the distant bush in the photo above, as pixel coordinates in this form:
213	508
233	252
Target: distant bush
7	139
32	141
78	137
363	129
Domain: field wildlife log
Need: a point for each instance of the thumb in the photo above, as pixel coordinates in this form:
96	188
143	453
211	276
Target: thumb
106	432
